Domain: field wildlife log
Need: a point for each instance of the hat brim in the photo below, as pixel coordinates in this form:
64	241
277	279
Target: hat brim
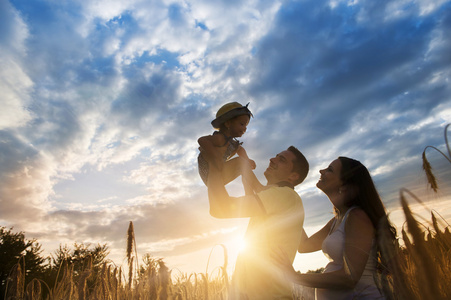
236	112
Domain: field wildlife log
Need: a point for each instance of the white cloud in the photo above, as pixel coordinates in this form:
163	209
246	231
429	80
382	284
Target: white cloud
165	181
428	7
15	84
25	183
14	31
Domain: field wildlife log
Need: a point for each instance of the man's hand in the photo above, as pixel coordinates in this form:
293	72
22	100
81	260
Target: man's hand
250	181
252	164
224	206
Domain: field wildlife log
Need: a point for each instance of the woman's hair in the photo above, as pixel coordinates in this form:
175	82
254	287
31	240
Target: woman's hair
355	174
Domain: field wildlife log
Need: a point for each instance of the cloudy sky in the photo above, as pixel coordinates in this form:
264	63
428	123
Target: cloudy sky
102	103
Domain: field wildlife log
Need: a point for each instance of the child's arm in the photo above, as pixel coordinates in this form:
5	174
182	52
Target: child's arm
211	145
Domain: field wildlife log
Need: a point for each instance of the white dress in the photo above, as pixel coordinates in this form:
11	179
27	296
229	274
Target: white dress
333	247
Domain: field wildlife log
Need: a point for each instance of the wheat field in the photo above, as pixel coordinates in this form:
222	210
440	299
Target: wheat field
420	269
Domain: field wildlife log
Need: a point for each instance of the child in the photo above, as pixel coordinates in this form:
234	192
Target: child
217	149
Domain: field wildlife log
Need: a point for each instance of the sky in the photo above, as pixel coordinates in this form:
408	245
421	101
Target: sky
102	103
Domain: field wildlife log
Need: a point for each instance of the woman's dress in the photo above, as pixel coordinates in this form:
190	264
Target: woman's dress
333	247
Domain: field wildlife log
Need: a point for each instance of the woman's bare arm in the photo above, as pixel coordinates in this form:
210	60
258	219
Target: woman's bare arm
314	243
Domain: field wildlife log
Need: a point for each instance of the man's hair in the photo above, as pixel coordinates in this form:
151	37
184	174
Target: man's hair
300	164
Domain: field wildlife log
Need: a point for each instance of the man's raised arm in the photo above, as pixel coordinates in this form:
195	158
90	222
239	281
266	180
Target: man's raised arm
224	206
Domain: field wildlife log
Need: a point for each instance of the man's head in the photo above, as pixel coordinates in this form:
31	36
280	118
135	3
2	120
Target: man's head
289	165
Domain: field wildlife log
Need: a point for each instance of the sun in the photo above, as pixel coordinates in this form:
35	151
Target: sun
239	244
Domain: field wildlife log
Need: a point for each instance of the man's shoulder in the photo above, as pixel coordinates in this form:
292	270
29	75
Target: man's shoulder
280	192
281	189
278	200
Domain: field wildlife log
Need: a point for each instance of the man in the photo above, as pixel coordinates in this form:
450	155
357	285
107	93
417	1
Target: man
276	220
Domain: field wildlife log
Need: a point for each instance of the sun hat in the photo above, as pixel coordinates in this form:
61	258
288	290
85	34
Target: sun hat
229	111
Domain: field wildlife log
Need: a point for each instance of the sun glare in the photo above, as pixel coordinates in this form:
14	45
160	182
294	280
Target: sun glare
240	244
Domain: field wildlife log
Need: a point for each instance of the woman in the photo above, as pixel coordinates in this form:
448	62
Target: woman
350	239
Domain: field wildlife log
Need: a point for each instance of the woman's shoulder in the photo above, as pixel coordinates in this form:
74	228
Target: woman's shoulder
358	217
358	227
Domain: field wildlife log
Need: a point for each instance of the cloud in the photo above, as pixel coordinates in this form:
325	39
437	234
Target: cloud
15	86
160	229
25	183
323	55
13	29
147	98
165	181
14	82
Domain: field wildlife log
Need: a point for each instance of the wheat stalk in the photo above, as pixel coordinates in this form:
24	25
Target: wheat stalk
427	166
15	281
82	288
131	245
427	272
428	170
165	276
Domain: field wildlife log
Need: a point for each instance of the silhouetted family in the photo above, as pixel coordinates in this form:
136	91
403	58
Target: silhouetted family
275	231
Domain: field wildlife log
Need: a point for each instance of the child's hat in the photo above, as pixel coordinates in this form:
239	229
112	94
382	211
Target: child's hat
229	111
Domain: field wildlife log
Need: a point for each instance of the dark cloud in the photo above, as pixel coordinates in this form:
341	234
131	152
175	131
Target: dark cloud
187	220
188	121
148	96
54	46
56	126
99	70
325	65
152	222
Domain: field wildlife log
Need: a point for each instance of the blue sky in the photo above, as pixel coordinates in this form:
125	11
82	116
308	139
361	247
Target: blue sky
103	102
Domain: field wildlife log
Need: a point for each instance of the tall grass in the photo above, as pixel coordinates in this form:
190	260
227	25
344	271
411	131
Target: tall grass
149	281
427	166
420	269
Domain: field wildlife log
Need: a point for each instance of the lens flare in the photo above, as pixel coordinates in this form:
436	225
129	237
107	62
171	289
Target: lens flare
239	244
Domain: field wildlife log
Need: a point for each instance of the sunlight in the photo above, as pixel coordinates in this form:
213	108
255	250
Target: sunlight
238	244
